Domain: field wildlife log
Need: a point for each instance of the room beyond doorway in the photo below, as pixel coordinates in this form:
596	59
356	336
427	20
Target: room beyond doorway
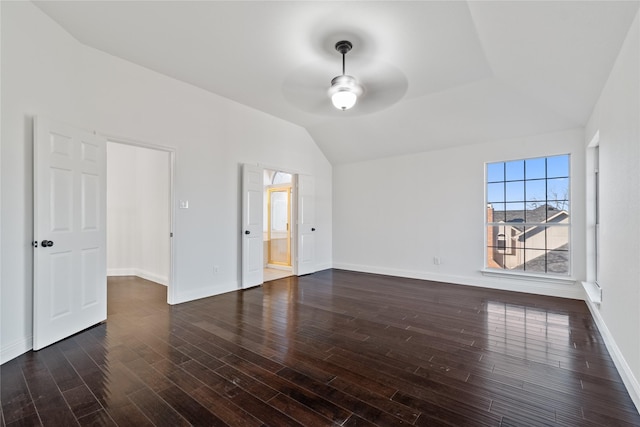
139	211
277	224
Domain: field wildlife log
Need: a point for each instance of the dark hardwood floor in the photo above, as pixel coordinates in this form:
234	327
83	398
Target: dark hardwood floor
332	348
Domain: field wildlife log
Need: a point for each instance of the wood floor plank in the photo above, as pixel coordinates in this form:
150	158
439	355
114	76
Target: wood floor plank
351	403
189	408
97	419
127	414
224	409
81	401
14	393
299	412
156	409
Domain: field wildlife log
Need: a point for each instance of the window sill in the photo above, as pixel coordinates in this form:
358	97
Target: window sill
594	292
556	280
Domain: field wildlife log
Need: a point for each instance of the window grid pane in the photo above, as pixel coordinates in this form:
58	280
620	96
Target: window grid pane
528	220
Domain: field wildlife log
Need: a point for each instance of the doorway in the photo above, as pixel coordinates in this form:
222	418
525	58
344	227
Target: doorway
256	181
277	224
139	214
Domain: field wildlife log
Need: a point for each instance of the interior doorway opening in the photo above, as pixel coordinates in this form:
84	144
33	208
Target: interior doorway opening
277	224
139	212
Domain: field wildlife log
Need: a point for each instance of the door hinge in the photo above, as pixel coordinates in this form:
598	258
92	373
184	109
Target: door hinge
170	234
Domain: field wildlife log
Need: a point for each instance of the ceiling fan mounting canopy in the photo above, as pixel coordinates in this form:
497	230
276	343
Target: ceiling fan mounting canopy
343	46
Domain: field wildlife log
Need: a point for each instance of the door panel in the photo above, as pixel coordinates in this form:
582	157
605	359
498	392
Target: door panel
306	225
61	274
90	265
90	202
252	240
61	204
70	292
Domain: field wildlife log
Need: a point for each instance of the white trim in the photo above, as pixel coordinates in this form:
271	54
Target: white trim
280	267
290	171
595	140
135	142
591	228
206	292
325	266
556	280
156	278
2	351
147	275
629	380
594	292
121	272
16	349
505	283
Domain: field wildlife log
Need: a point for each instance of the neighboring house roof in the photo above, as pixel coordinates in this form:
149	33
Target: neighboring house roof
556	261
544	213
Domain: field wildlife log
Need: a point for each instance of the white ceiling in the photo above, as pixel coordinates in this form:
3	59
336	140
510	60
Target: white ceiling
436	73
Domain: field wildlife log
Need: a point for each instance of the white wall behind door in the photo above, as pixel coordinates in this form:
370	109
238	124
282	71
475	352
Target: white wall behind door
138	212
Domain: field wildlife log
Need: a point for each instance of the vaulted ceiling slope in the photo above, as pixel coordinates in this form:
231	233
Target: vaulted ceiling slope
436	73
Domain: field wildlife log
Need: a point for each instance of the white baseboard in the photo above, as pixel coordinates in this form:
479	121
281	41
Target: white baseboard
325	266
205	292
503	283
279	267
121	271
629	380
15	349
163	280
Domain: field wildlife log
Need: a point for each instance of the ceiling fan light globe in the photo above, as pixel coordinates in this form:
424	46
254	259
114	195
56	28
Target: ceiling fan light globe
344	92
344	99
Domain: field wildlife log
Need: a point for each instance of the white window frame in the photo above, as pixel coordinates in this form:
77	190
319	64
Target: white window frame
593	284
550	275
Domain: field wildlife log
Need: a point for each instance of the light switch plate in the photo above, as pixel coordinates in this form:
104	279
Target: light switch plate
184	204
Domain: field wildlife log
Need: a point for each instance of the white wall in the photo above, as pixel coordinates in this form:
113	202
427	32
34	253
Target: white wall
47	72
138	221
617	118
37	77
393	216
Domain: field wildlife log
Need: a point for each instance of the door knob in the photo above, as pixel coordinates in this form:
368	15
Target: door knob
47	243
313	229
247	232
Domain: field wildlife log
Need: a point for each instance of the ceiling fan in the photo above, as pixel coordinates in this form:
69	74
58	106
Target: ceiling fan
379	85
345	89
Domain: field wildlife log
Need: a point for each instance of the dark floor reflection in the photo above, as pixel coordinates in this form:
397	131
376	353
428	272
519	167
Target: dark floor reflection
528	332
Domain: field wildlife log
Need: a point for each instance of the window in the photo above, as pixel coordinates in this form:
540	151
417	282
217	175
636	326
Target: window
528	215
596	191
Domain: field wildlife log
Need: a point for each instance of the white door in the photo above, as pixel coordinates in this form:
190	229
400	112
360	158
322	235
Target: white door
252	240
306	225
69	277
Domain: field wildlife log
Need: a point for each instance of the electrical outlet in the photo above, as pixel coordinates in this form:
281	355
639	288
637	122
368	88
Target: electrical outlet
436	260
